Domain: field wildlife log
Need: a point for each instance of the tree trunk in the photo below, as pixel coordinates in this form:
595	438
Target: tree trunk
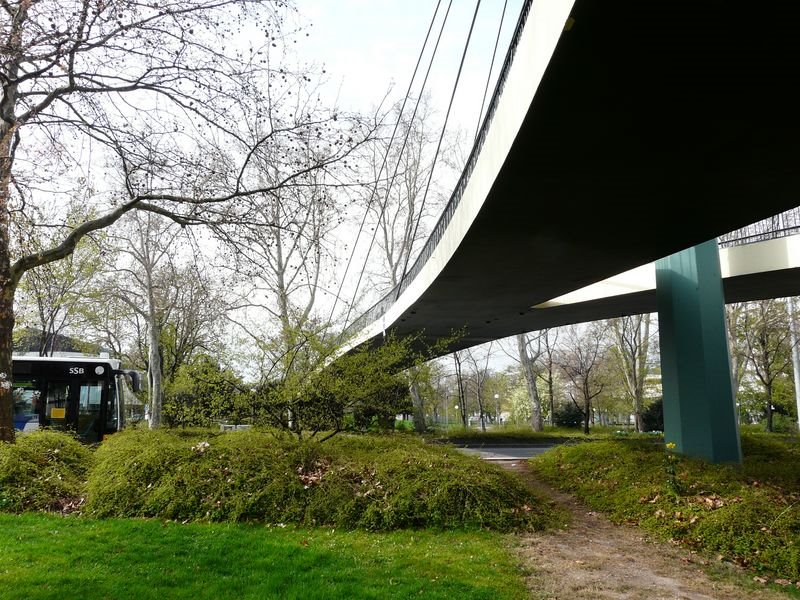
416	399
8	280
6	344
154	374
793	339
530	382
481	414
7	290
769	407
587	411
642	373
462	399
732	314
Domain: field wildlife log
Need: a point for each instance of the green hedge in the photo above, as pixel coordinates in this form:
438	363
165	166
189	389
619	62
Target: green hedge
370	482
750	514
43	470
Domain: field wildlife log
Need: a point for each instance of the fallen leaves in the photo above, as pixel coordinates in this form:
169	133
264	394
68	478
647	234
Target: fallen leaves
779	581
713	502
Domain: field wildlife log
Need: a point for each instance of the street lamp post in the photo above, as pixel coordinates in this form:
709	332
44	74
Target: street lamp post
497	410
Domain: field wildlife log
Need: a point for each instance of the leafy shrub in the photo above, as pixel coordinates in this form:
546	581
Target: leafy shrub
401	482
372	482
568	415
44	470
749	513
781	423
196	476
404	425
202	392
653	416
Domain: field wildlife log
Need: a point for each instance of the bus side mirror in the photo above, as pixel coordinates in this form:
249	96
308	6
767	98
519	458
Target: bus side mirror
136	382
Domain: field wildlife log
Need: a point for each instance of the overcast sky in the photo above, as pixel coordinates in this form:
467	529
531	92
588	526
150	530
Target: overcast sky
369	45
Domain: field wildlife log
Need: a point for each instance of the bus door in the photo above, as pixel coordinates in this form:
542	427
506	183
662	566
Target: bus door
76	404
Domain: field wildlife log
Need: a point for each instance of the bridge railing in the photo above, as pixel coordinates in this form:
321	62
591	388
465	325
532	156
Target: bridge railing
377	310
780	225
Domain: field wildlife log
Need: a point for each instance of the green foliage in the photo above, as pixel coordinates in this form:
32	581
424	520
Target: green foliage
53	297
43	470
134	559
749	514
671	463
568	415
404	426
781	423
203	392
399	482
197	476
653	416
369	482
361	389
753	400
520	402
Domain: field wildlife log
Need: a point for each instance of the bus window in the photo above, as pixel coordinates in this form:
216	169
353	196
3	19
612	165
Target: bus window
89	402
26	405
56	409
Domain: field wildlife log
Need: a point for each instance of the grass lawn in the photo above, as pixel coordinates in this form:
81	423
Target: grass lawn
747	514
54	557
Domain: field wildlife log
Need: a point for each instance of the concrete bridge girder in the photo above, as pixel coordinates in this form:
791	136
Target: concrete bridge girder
680	113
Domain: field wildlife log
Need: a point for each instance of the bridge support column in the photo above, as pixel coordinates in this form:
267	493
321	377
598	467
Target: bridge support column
699	407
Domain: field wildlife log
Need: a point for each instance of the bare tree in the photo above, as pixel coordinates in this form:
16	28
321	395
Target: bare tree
284	264
193	326
529	355
737	344
147	285
549	341
480	373
401	201
462	397
400	172
162	92
631	347
580	360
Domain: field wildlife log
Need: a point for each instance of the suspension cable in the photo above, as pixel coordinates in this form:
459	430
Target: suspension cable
377	179
400	155
491	68
438	148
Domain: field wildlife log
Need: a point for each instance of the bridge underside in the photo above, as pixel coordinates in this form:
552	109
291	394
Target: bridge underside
757	271
657	126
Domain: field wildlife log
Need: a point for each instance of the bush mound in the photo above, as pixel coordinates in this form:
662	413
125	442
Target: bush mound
749	514
43	471
370	482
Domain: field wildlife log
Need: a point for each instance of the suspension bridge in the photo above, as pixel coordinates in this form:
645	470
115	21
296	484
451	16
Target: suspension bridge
621	134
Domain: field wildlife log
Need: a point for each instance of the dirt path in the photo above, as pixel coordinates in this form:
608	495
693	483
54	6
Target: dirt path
594	558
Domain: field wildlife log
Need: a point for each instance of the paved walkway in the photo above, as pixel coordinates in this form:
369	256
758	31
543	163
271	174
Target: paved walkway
595	559
507	452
